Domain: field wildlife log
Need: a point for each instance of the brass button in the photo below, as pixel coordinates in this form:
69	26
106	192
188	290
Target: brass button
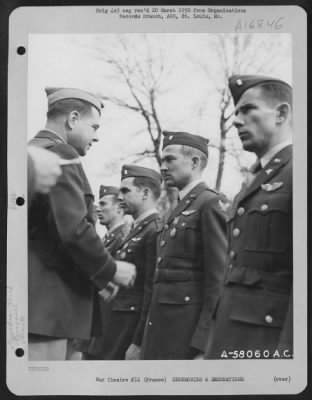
162	243
187	298
268	319
241	211
123	255
264	207
159	259
230	266
183	224
232	254
150	323
236	232
166	226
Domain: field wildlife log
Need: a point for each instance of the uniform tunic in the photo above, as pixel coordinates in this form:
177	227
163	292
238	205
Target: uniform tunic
124	318
113	239
67	262
189	272
255	310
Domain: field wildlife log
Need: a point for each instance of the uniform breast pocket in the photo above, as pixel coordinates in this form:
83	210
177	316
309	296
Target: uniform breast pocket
189	230
127	303
268	224
265	310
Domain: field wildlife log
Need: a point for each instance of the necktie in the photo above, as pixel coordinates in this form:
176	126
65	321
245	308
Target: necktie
253	172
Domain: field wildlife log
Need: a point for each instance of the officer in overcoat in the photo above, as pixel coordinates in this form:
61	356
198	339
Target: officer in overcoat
190	256
124	322
254	316
67	262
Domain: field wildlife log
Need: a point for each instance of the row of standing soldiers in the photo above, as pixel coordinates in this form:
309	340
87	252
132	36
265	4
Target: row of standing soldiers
211	279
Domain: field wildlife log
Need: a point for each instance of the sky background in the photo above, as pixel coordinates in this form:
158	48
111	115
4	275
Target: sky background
188	99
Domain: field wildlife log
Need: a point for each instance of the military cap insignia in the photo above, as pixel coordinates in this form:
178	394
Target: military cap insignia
125	171
224	206
170	137
270	187
239	82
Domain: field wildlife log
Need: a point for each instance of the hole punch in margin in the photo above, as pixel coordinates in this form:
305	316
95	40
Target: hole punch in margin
20	201
21	50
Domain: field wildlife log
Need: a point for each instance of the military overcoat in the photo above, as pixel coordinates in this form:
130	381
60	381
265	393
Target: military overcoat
189	272
124	319
67	262
254	314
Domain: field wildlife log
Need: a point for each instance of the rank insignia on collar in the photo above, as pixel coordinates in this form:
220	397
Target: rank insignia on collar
239	82
268	171
270	187
277	160
224	206
176	220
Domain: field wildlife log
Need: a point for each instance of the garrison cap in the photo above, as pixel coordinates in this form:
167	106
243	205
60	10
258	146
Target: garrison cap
238	84
186	139
106	190
56	94
135	171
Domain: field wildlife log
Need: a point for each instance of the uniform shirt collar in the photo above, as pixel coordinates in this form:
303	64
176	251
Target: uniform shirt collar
56	134
144	215
115	227
264	160
188	188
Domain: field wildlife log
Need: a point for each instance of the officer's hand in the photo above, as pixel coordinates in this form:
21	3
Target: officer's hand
199	356
109	292
47	168
133	352
125	274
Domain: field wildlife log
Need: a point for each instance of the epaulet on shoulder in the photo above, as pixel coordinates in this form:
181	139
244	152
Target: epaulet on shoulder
65	150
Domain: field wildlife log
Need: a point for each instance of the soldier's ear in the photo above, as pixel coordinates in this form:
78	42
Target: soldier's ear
283	112
195	162
145	193
72	119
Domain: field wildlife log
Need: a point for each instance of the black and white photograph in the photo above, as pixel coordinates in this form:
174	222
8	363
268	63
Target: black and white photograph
157	200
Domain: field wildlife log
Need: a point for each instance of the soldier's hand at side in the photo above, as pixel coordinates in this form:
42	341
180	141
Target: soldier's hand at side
109	292
47	168
125	274
133	352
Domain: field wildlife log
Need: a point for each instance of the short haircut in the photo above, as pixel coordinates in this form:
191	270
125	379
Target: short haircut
66	106
277	91
142	181
190	152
